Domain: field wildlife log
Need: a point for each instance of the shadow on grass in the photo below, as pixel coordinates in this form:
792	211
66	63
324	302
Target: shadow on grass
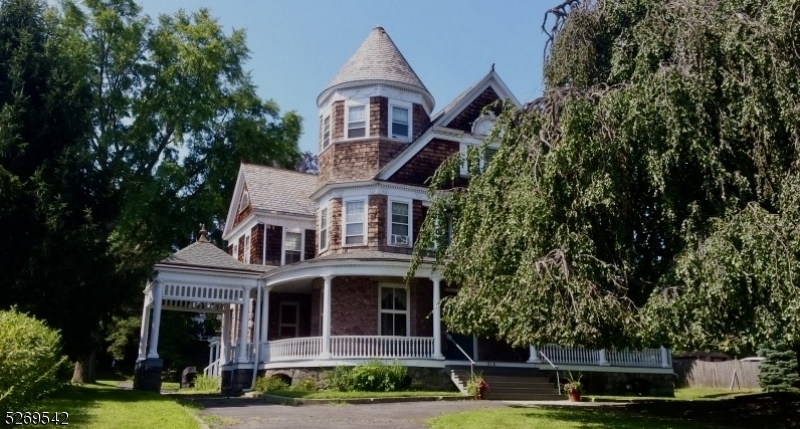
605	418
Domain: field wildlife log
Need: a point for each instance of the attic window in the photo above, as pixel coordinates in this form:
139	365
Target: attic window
356	121
244	201
400	123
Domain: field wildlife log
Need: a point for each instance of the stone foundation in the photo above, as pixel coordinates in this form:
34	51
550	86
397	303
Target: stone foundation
420	378
147	375
623	383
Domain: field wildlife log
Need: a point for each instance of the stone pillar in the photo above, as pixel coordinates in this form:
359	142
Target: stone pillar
144	333
534	355
147	375
603	360
437	319
225	346
244	315
156	323
326	317
265	326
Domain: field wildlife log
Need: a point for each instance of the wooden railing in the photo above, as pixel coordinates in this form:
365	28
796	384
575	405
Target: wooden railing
376	346
212	370
295	348
648	358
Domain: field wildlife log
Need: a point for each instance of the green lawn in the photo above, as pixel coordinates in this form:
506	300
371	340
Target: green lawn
552	418
356	395
103	406
682	394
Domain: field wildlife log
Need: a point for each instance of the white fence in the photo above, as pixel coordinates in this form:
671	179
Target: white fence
295	348
648	358
381	347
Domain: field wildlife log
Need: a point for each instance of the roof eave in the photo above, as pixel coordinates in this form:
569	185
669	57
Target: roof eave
328	91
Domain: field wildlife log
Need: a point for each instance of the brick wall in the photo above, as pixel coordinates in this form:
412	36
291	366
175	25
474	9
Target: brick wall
274	242
467	116
378	117
420	119
354	306
425	162
257	244
310	246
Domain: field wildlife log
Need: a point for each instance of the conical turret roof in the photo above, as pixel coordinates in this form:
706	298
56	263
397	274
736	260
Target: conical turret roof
377	59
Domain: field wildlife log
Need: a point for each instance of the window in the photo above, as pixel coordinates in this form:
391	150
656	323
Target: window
393	311
244	201
400	219
323	229
356	121
246	249
400	123
326	131
289	320
354	221
293	247
485	158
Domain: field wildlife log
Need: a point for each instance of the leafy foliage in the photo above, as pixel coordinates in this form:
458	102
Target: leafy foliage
31	364
649	197
206	384
373	376
779	372
269	384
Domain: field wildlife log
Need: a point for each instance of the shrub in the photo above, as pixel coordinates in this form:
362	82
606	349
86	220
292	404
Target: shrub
340	379
306	384
31	363
201	382
270	384
779	372
375	376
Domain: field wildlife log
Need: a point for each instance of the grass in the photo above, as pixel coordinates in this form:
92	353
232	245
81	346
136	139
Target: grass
332	394
552	418
103	406
681	394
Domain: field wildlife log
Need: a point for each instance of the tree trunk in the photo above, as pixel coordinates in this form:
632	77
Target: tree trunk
84	369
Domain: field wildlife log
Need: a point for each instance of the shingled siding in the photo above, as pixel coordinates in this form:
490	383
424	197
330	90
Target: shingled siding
337	120
274	243
310	245
304	301
421	120
378	117
467	116
376	221
356	160
241	215
240	255
257	244
425	162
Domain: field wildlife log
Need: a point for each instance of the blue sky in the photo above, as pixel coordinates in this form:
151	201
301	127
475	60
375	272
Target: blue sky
297	46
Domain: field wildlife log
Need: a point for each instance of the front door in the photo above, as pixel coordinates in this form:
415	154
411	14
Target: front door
466	342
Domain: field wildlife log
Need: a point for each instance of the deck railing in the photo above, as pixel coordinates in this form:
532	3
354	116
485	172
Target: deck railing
648	358
295	348
212	370
385	347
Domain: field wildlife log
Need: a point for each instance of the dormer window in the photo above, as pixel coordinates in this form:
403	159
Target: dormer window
400	128
244	201
356	121
326	131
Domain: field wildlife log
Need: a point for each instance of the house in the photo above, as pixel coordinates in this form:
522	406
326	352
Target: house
313	273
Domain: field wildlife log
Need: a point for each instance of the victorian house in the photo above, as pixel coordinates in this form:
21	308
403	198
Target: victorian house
313	276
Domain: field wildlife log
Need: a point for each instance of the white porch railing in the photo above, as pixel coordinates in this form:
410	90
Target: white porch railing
212	370
648	358
385	347
295	348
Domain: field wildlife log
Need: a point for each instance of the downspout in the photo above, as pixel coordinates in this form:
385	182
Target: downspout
257	335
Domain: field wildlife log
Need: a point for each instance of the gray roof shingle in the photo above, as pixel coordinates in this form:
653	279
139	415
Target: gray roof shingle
377	59
206	254
278	190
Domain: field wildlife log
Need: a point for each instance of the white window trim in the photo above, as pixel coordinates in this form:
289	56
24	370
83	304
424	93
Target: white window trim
235	251
244	201
325	230
354	103
410	221
365	233
296	325
401	105
407	311
302	233
247	249
327	115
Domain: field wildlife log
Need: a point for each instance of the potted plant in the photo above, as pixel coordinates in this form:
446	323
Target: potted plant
477	386
574	387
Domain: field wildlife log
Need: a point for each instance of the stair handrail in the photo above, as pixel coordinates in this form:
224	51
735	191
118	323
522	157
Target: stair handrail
471	362
558	378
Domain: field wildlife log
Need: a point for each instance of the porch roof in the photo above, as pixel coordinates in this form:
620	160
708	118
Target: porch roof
204	254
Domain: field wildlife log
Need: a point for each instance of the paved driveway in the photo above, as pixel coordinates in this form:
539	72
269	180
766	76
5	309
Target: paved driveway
407	415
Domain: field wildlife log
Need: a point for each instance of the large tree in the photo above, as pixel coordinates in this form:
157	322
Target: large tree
650	196
171	114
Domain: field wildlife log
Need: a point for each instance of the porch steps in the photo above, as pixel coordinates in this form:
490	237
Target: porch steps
510	384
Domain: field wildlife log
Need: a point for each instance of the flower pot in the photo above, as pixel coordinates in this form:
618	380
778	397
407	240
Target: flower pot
575	396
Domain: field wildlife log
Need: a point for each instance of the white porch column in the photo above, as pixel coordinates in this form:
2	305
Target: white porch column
326	317
534	355
244	316
265	325
225	345
437	319
603	360
156	323
665	358
144	332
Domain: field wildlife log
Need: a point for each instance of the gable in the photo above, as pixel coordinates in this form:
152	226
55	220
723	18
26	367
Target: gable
422	165
464	119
